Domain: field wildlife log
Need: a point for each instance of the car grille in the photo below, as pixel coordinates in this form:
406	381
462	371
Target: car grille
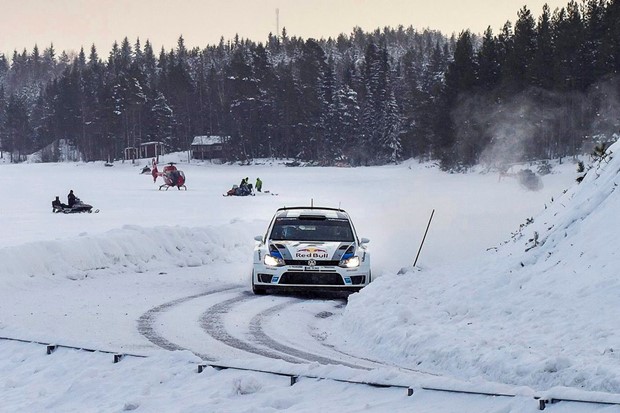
311	278
318	263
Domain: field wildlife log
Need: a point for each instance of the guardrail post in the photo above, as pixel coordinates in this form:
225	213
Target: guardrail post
201	367
118	357
409	391
542	403
294	379
51	348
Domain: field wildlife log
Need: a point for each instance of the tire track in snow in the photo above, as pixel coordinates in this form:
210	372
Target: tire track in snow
257	331
146	322
335	349
212	323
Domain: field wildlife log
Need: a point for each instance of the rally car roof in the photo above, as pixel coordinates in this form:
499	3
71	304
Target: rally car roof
327	212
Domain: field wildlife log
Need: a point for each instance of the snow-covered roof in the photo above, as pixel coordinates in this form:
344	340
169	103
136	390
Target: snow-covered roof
208	140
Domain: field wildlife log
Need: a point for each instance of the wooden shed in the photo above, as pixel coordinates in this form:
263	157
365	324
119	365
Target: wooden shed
208	146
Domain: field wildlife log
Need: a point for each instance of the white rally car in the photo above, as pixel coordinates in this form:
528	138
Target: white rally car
310	248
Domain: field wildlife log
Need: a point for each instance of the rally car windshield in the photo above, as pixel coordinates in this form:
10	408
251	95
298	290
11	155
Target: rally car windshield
312	229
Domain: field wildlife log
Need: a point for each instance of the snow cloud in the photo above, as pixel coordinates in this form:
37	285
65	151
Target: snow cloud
508	129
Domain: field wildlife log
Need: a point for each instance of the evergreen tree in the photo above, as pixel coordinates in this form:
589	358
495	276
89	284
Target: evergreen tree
93	57
243	93
4	70
342	124
160	120
375	107
36	66
409	89
433	107
507	59
524	46
69	105
390	144
290	107
64	61
568	41
49	61
265	76
461	73
125	57
595	64
312	68
114	59
610	45
488	62
150	65
17	129
215	122
460	83
3	131
541	69
81	60
138	57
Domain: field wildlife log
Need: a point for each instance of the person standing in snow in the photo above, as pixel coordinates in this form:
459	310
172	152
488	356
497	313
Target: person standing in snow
259	185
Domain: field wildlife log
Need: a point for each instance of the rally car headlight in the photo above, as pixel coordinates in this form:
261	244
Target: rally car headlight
352	262
273	261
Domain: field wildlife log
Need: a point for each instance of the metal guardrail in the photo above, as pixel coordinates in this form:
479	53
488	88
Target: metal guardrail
50	348
543	402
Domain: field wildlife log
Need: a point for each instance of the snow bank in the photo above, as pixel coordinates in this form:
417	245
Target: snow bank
540	311
128	249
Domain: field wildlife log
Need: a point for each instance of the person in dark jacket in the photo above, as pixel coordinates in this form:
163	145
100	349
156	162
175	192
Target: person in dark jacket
57	205
71	198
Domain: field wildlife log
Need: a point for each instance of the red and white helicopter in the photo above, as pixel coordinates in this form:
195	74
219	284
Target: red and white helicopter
171	175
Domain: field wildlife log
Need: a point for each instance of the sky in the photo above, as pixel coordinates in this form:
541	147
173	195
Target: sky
71	24
515	291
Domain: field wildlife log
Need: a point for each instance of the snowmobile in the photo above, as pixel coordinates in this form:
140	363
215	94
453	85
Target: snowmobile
171	175
243	190
78	207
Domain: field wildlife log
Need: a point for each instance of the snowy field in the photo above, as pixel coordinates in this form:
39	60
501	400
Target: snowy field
478	312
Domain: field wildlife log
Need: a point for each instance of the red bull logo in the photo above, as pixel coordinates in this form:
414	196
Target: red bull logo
311	252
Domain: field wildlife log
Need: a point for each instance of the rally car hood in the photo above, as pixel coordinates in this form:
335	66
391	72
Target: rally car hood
319	251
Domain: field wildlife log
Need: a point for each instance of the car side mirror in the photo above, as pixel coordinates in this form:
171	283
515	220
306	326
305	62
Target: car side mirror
364	241
258	238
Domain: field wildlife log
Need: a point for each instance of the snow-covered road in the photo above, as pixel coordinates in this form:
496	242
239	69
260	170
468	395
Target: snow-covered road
170	270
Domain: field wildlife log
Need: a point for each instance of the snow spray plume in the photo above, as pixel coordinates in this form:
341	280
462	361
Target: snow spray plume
511	130
506	129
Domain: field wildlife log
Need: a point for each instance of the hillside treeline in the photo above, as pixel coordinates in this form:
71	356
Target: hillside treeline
537	89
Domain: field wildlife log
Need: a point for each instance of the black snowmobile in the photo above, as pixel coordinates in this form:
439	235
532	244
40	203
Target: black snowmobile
79	206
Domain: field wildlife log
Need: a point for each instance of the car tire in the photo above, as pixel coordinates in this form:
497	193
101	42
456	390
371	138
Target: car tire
258	290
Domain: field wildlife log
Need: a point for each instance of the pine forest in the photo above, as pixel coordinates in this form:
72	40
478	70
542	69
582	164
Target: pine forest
540	88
